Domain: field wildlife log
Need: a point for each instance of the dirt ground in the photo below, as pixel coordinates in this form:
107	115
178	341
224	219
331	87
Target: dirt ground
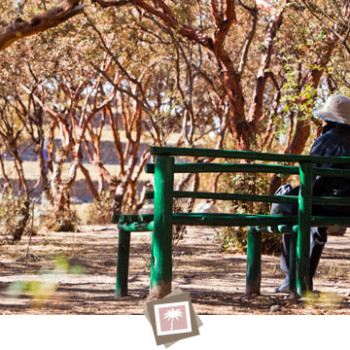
74	273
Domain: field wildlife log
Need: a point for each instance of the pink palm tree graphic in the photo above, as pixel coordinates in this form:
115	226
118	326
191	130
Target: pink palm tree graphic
173	314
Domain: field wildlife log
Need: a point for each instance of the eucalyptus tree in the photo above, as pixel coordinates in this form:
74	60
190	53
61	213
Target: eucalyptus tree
238	41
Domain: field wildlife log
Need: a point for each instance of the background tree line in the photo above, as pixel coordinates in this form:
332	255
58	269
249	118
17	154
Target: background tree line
242	75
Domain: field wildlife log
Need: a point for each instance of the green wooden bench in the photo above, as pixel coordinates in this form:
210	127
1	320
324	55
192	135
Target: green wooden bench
160	223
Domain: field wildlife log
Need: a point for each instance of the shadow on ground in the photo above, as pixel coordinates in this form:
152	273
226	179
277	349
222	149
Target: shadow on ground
215	280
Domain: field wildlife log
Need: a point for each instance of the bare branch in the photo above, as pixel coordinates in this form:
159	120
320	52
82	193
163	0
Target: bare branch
249	40
250	9
225	25
255	111
217	16
111	3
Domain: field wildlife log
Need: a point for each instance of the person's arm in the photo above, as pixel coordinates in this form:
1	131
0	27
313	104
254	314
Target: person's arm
319	148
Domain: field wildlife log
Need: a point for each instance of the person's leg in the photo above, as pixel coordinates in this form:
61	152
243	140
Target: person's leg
285	253
284	287
285	209
318	239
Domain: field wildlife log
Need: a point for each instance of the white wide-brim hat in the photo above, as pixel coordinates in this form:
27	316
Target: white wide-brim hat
336	109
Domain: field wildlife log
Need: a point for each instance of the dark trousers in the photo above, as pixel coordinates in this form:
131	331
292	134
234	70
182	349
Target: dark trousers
318	239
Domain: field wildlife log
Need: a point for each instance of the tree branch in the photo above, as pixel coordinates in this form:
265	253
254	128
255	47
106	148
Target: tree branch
46	20
217	16
242	63
225	25
111	3
250	9
255	111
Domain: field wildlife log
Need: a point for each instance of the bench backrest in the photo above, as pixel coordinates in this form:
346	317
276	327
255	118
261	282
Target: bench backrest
305	169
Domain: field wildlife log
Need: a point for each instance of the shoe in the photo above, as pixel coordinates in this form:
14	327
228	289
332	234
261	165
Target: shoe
284	287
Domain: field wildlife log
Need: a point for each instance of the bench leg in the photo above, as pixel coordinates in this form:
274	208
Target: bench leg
253	274
161	255
292	264
304	226
121	289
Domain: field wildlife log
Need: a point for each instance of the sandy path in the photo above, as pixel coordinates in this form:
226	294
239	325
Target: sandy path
215	279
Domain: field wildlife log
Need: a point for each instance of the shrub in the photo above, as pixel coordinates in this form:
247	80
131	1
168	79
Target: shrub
100	212
235	238
61	221
15	215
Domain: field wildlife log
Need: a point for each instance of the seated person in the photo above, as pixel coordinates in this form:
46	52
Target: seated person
334	141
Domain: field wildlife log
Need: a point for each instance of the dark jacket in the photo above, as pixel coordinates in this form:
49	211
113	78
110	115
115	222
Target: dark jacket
335	141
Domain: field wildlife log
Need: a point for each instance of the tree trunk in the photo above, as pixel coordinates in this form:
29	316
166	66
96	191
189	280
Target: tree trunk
58	192
44	181
24	215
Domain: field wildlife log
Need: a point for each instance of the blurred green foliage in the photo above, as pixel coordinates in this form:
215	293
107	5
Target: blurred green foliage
45	287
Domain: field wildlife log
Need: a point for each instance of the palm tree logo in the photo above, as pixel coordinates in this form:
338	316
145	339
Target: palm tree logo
171	315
